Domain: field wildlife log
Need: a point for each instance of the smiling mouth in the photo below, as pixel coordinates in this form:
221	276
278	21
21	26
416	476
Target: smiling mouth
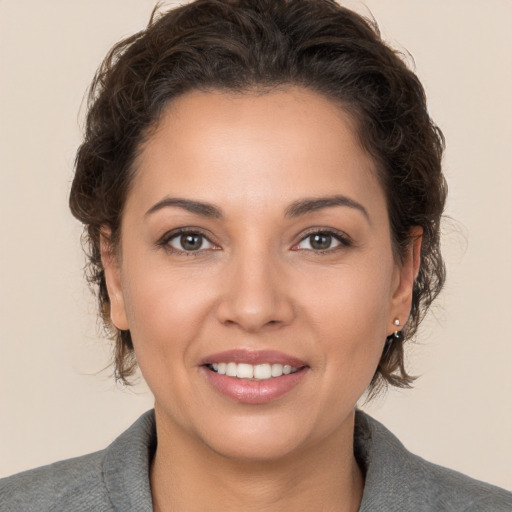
254	377
256	372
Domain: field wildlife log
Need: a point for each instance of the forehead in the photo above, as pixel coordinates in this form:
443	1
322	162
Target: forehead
255	148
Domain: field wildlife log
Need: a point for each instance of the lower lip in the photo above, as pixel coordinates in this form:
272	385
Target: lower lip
254	391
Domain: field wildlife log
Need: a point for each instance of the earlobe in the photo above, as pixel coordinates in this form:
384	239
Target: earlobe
407	273
112	270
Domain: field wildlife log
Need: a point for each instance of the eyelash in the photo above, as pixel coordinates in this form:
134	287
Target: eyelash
166	239
343	239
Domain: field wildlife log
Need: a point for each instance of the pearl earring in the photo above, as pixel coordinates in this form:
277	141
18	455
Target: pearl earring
397	332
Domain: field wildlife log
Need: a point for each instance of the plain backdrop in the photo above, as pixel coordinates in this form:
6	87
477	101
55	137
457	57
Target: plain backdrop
55	399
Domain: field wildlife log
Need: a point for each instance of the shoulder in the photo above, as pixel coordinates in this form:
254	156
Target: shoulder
74	484
440	489
116	478
397	480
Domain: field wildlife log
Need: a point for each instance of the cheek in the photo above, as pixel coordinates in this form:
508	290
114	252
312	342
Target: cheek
350	315
354	299
165	310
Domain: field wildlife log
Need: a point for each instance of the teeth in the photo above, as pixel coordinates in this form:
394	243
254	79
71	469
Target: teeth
244	371
231	369
277	370
262	371
255	372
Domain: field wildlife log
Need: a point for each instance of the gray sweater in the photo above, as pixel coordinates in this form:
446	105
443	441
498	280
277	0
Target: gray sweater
117	478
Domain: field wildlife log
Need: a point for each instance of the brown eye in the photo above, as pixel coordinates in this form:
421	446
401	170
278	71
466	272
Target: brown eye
322	241
190	242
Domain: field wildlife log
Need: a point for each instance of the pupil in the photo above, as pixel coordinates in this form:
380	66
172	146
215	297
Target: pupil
320	241
191	242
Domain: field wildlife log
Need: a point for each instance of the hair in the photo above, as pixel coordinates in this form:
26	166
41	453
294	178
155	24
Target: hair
256	45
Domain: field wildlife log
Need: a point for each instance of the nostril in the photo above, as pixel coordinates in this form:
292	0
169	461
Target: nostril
253	308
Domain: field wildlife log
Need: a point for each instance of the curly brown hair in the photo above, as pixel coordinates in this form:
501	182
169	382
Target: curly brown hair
247	45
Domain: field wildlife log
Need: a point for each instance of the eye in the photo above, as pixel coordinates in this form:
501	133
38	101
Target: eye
322	241
189	242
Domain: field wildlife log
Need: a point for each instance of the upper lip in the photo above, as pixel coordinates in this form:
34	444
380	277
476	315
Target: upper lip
253	357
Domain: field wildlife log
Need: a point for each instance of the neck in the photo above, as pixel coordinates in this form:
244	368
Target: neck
188	475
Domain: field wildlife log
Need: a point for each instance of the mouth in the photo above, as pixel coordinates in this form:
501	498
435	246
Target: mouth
253	377
256	372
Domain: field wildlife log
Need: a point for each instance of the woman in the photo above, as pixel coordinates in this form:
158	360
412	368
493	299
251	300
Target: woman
261	188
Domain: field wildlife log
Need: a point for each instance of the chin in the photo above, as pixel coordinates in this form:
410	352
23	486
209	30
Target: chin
268	437
250	434
257	447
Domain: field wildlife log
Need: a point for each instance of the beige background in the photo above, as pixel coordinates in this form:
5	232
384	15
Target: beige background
53	402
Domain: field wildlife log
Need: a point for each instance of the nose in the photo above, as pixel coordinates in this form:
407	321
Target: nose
255	296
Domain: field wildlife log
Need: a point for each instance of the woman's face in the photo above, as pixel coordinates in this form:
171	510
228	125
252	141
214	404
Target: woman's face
256	238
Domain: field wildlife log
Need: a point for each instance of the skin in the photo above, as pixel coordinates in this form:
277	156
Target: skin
257	282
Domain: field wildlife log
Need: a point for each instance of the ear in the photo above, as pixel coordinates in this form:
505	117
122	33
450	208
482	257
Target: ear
406	273
111	266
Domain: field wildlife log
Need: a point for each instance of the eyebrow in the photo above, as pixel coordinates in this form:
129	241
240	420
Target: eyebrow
295	209
197	207
308	205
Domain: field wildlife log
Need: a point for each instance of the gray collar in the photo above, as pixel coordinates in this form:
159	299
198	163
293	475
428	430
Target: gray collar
127	462
126	466
395	480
